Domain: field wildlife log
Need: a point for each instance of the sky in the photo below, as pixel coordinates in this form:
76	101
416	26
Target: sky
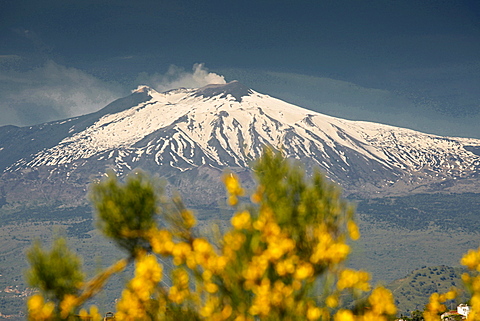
409	63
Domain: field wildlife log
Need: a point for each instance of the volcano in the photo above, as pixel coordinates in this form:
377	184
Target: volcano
190	136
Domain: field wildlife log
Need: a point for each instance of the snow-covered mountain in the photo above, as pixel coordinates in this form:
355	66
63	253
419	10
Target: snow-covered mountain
191	135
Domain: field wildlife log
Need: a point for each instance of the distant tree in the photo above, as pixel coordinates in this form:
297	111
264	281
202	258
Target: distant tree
416	315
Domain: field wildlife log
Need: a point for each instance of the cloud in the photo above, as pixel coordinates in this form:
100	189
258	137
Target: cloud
9	61
177	77
50	92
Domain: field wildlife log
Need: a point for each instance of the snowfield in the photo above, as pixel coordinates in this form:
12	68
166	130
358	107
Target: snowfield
228	125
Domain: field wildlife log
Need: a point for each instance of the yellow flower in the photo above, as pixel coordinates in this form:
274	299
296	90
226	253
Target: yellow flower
207	275
313	313
232	200
330	252
180	277
220	264
211	287
344	315
450	295
161	241
234	240
271	229
227	311
256	198
188	218
67	304
472	260
353	279
382	302
180	252
209	307
254	270
201	245
233	185
35	302
84	314
353	230
176	295
281	268
303	271
148	268
370	316
38	309
332	301
241	220
94	314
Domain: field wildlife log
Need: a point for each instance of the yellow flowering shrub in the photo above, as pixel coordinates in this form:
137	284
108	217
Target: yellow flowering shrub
283	258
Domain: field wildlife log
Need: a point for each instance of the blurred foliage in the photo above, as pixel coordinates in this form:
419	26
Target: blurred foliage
125	209
56	273
283	258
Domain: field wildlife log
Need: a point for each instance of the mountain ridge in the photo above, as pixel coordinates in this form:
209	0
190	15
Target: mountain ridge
208	129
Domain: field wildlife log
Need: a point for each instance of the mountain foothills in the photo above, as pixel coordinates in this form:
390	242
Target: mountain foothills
190	136
417	195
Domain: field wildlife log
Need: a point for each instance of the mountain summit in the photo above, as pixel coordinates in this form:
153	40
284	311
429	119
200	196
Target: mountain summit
190	136
234	89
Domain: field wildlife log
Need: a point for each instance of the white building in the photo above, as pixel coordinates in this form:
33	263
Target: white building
463	309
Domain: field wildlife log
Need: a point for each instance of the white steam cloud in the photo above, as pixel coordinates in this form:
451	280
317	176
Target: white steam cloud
177	77
51	92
